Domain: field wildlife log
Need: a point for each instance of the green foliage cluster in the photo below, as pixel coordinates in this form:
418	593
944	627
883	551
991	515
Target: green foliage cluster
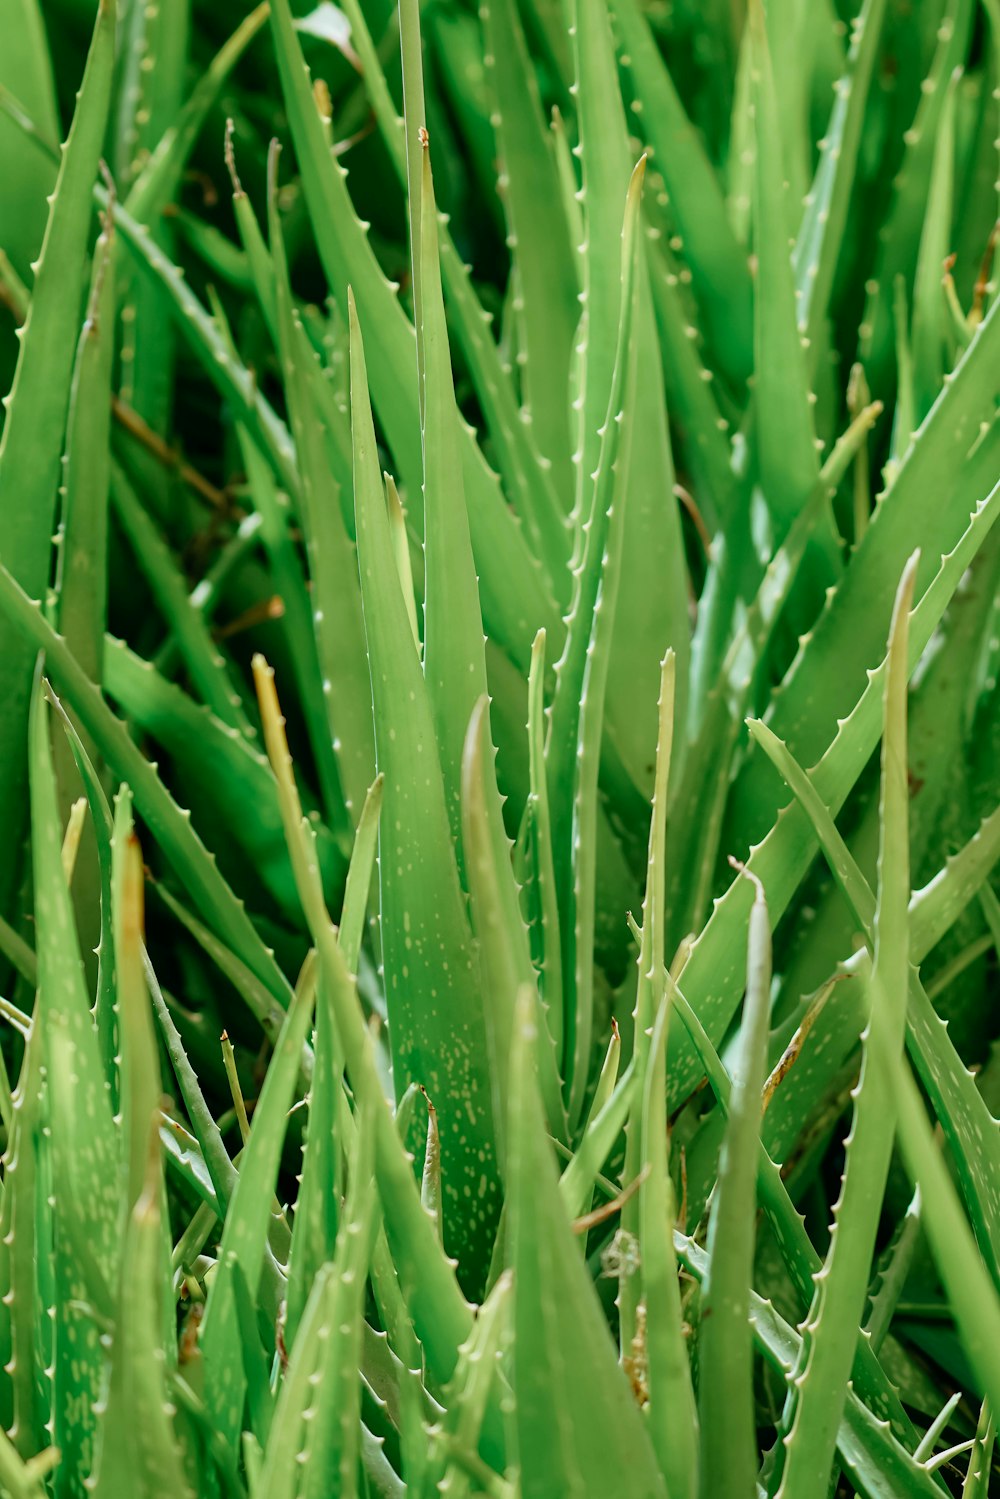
583	416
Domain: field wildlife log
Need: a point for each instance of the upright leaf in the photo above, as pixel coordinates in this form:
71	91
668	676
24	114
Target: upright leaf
820	1387
725	1354
31	448
84	1147
438	1022
578	1428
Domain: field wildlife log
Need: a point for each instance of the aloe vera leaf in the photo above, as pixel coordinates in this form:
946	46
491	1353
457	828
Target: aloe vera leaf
933	909
739	173
221	773
899	235
151	83
703	445
31	448
332	1453
282	1456
401	551
359	875
991	111
538	236
652	604
165	819
904	421
569	192
505	956
212	1463
455	46
332	564
889	1281
441	1316
971	1131
975	187
725	1404
547	32
971	1291
599	1136
640	1147
820	236
273	1282
785	431
139	1451
578	709
207	593
140	1064
977	1477
937	733
384	1374
408	1403
874	1460
718	265
287	572
845	638
527	478
431	1174
868	1380
427	946
284	1451
478	1366
255	1348
324	405
929	308
79	606
81	581
454	658
700	797
672	1415
235	383
182	1152
608	1077
201	655
402	1343
19	953
106	1002
248	987
788	45
814	1410
28	180
160	176
712	980
136	1402
410	144
652	611
567	1381
932	912
991	910
541	887
85	1151
941	711
221	1171
315	1224
938	725
27	1390
223	260
244	1237
20	1480
512	587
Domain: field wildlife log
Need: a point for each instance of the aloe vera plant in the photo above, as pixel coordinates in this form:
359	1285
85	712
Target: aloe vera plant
498	621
